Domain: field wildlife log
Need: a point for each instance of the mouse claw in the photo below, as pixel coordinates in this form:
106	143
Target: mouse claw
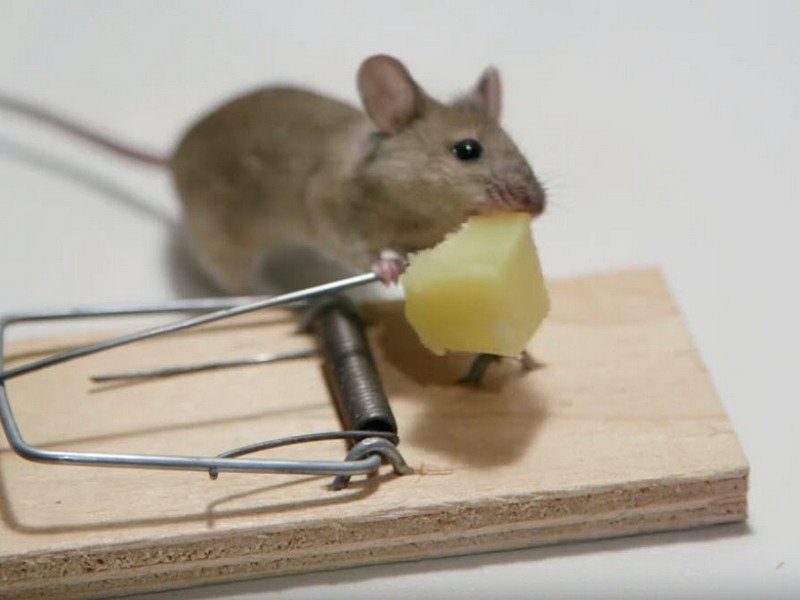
389	267
528	362
482	362
474	377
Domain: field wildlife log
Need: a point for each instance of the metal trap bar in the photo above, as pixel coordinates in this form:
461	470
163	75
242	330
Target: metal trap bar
350	370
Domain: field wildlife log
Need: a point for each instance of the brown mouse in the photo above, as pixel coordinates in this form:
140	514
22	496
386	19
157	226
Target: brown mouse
282	166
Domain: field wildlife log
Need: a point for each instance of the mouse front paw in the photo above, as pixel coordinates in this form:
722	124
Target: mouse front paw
389	266
481	363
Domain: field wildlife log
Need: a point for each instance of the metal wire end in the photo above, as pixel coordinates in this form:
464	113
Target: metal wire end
213	473
370	447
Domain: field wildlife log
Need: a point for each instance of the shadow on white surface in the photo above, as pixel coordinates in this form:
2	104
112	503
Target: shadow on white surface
49	164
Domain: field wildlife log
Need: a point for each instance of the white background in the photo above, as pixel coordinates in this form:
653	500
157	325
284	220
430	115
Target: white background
667	132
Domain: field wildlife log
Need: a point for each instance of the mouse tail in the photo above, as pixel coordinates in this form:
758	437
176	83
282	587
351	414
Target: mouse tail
36	113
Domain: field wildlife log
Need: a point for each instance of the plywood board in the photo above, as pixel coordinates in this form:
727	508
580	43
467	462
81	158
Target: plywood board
620	432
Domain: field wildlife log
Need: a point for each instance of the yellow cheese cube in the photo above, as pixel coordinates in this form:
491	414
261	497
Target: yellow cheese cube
480	290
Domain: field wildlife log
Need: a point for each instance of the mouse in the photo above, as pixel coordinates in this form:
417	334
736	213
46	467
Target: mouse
364	187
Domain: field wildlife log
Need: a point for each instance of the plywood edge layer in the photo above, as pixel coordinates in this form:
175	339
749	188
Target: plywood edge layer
447	530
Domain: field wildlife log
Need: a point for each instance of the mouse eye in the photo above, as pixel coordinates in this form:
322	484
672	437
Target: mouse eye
468	149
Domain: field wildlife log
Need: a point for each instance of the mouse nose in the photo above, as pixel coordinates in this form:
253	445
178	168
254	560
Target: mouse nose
536	200
515	192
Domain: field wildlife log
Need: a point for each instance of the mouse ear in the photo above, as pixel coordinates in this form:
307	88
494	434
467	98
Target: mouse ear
390	95
487	94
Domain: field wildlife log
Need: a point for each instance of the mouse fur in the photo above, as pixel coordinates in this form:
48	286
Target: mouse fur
285	166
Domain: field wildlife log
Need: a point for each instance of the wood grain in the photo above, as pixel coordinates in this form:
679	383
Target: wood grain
619	433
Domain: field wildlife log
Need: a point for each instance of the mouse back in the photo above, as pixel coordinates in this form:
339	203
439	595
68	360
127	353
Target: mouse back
241	173
283	166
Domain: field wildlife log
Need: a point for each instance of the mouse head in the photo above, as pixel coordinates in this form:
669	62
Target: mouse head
435	164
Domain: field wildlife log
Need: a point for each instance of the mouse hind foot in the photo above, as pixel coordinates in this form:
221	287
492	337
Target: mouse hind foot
482	362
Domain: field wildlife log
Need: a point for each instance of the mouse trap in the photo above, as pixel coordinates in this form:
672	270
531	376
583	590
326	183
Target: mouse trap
344	446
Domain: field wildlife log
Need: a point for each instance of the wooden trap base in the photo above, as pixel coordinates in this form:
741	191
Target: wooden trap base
620	433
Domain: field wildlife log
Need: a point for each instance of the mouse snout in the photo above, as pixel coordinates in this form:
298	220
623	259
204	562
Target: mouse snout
514	191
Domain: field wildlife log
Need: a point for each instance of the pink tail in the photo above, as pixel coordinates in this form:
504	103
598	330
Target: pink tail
39	114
